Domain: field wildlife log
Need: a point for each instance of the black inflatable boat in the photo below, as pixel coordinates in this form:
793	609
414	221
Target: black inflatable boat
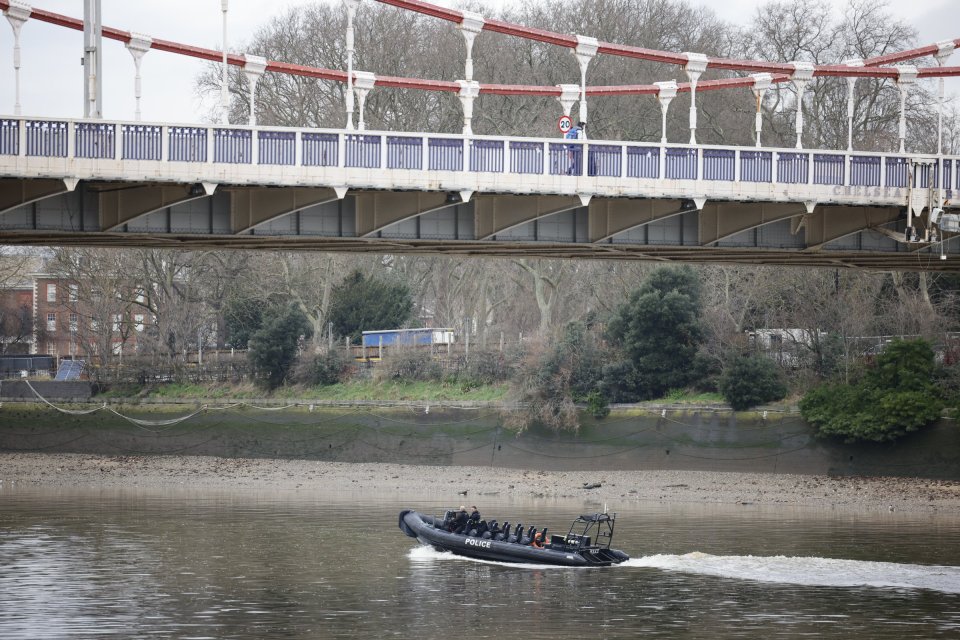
587	543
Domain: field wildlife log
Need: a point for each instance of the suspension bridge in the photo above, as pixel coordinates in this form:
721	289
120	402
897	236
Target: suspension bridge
91	181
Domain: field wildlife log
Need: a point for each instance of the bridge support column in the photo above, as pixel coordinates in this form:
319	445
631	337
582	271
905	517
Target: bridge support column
17	15
586	49
469	90
92	60
851	86
667	92
802	74
761	82
254	68
696	65
138	46
907	76
470	27
568	95
364	83
944	50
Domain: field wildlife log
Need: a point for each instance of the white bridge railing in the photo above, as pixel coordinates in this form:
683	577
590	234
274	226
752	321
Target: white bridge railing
96	149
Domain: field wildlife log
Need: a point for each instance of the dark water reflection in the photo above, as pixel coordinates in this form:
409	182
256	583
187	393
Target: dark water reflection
214	565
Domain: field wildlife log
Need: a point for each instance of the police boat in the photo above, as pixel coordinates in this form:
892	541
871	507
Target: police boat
587	543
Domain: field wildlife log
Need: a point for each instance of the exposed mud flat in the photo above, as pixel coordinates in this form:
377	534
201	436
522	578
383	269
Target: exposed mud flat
450	484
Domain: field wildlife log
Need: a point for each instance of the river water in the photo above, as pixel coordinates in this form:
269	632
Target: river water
201	564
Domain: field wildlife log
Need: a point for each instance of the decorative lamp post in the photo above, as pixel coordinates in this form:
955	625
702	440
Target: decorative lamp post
17	14
138	46
696	65
352	6
944	51
224	94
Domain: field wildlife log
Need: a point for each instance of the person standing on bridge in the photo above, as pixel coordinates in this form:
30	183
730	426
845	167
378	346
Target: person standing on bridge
578	132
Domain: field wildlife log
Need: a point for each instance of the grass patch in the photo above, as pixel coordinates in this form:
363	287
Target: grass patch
689	397
358	390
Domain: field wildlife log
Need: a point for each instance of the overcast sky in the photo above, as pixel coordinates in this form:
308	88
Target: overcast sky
52	75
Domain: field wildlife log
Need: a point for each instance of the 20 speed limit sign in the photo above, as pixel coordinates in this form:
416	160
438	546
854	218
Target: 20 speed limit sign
564	123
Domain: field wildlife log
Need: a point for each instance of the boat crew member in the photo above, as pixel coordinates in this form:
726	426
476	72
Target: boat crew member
474	514
460	520
537	541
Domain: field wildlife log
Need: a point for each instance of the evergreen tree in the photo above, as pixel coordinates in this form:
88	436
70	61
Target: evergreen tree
658	332
366	304
273	347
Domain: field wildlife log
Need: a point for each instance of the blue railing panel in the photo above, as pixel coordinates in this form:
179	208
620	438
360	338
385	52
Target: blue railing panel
792	168
865	171
363	151
897	170
828	168
187	144
719	164
565	159
277	147
445	154
486	156
948	175
404	152
9	137
681	164
320	149
94	140
232	146
46	138
604	160
643	162
756	166
141	141
526	157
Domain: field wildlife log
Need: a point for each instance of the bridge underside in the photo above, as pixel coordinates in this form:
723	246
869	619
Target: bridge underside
199	215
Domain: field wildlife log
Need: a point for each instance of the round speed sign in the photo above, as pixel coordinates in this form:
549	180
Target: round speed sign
564	123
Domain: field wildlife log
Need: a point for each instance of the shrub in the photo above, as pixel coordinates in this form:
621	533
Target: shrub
408	365
751	380
322	369
486	366
894	398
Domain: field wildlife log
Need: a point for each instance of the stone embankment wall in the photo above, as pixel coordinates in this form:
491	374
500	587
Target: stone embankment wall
704	439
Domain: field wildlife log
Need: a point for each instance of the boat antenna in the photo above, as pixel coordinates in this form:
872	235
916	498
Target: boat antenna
604	507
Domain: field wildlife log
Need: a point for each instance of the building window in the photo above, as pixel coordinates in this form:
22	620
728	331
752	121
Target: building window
51	293
94	325
51	322
74	292
138	322
73	323
116	323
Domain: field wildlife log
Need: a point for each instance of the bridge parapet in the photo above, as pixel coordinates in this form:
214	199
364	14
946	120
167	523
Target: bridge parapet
244	155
